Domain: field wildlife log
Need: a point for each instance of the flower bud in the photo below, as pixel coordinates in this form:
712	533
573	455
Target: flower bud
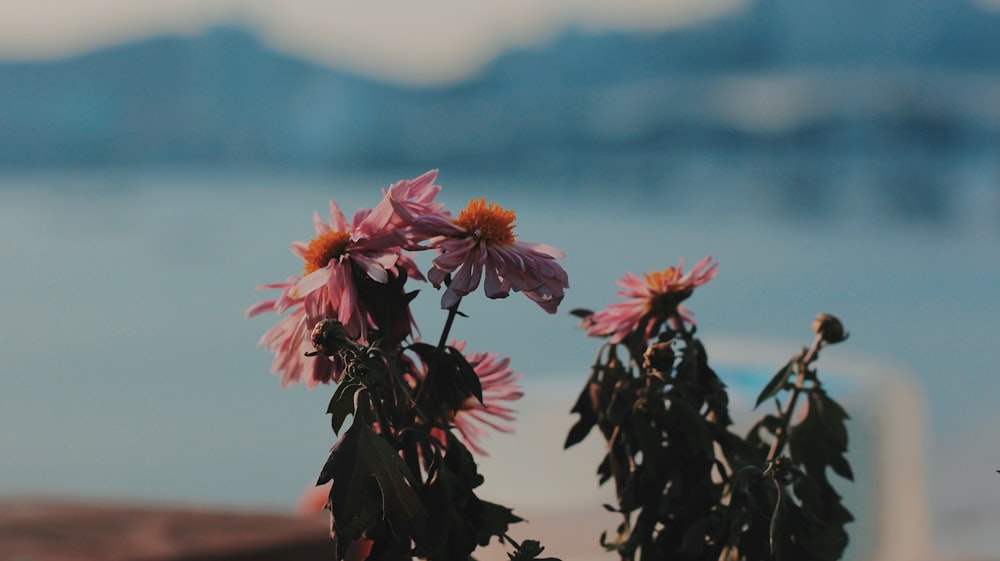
829	328
329	337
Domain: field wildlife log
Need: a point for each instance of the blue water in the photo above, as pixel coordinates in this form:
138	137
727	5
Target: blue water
130	372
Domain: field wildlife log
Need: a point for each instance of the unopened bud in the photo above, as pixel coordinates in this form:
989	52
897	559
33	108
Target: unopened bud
659	357
829	328
329	337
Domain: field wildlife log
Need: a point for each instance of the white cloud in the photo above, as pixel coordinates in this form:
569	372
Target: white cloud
421	41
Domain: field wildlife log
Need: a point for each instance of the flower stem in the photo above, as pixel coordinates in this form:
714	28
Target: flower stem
432	368
781	435
452	312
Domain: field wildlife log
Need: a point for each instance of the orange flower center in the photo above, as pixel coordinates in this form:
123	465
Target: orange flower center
661	281
489	223
668	291
325	248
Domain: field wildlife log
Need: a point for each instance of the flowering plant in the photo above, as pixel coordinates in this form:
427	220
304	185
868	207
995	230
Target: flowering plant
401	480
688	487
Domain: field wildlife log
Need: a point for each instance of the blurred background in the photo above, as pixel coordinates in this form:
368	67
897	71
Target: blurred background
157	158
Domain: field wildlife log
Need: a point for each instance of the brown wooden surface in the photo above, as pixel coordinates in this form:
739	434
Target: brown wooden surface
66	531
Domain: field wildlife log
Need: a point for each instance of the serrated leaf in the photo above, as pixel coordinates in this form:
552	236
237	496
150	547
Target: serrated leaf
832	416
820	439
776	384
370	482
342	404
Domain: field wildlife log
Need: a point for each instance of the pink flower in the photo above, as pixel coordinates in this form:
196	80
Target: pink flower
370	246
406	200
481	243
336	260
289	340
500	387
332	259
652	300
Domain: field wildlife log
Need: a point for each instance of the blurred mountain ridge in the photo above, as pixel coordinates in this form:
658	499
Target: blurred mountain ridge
780	81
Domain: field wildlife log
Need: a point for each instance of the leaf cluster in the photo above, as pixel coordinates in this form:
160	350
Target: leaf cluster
399	476
690	488
400	481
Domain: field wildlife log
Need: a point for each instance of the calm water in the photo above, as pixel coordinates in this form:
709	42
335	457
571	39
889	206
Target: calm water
129	370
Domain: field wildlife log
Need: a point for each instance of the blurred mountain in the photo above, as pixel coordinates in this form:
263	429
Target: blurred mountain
783	79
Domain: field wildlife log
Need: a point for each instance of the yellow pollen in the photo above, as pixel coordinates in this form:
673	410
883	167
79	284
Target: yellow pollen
324	248
491	224
661	280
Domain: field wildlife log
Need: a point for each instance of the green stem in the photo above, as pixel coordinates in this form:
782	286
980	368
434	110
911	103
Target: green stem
773	526
432	368
781	435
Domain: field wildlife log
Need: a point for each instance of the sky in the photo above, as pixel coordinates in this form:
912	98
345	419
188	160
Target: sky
425	42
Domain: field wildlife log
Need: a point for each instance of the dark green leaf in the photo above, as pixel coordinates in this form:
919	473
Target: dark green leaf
370	482
453	534
493	520
387	303
581	313
461	462
842	468
586	407
820	440
468	379
452	381
342	404
776	384
529	550
832	416
685	423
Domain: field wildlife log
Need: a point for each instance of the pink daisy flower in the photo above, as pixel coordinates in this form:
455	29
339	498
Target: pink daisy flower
289	340
500	387
480	243
335	260
651	300
371	245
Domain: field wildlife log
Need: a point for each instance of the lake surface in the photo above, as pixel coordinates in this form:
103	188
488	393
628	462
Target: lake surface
130	372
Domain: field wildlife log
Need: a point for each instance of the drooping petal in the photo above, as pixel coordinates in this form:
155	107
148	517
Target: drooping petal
372	268
313	281
260	308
